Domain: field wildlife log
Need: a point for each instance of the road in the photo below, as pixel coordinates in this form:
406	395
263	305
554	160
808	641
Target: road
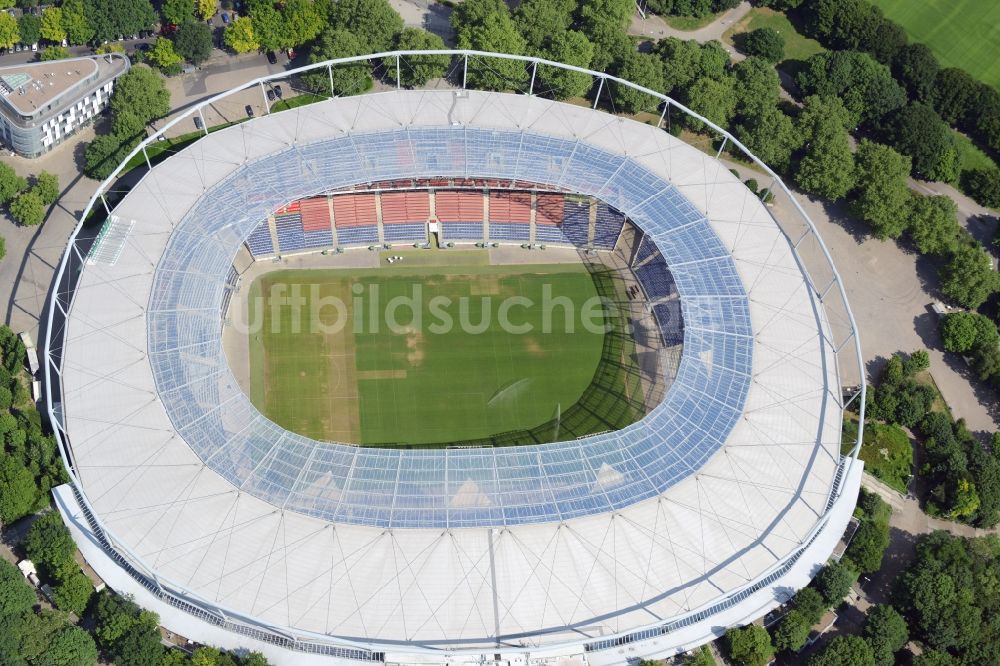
655	27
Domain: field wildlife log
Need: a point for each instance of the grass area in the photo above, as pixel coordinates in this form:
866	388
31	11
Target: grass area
690	23
938	404
299	100
797	46
421	382
962	33
886	452
970	156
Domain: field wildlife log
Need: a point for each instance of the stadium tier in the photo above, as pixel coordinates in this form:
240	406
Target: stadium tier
510	216
259	241
576	221
607	226
709	511
405	215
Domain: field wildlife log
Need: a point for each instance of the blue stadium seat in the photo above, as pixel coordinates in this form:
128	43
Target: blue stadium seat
259	243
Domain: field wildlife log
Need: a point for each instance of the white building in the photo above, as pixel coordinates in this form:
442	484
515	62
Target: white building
46	102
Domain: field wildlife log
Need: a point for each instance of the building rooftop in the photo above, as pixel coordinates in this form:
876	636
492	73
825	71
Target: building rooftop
30	87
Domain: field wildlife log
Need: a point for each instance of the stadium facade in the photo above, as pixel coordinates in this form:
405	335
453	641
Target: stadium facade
653	539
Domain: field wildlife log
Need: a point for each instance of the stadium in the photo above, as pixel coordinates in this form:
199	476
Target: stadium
373	495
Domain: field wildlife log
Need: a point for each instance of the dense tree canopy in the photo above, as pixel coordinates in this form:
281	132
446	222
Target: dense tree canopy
749	645
490	28
866	86
193	42
771	135
140	96
844	651
240	37
418	70
963	331
835	579
27	209
886	633
918	131
374	22
766	43
870	540
605	22
539	20
933	223
792	632
827	166
713	98
29	27
644	69
955	94
48	541
916	67
51	27
348	79
10	183
884	194
968	278
177	11
127	632
9	35
111	18
573	48
74	20
983	185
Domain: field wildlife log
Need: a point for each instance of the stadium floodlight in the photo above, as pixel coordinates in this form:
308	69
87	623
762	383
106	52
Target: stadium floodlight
639	542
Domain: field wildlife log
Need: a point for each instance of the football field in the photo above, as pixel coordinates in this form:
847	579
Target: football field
421	354
962	33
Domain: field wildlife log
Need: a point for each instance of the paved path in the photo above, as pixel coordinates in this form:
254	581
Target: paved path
656	28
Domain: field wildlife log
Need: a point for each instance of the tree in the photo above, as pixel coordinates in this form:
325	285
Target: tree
714	99
868	545
749	645
573	48
496	32
18	492
140	96
29	27
374	22
540	20
163	54
110	18
884	195
302	22
55	53
792	632
240	37
955	95
770	135
983	185
918	131
348	79
268	27
643	69
15	595
962	332
605	23
28	209
415	71
10	183
844	651
835	579
933	223
685	61
916	68
127	632
968	278
51	25
827	168
193	42
75	22
933	658
810	603
866	86
886	632
206	8
73	590
71	646
48	542
177	11
8	31
766	43
47	186
105	153
757	86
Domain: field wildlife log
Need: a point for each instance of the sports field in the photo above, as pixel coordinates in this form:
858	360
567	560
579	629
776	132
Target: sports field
345	374
962	33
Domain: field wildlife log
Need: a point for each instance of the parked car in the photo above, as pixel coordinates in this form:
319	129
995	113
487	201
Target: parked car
64	43
225	18
270	95
271	58
249	110
34	47
278	91
197	123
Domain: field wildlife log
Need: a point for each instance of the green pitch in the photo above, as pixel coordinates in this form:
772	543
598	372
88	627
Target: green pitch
344	374
962	33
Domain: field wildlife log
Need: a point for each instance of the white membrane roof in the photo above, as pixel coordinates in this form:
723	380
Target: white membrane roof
715	487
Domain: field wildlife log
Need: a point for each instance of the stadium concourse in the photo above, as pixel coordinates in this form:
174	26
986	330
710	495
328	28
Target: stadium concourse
647	541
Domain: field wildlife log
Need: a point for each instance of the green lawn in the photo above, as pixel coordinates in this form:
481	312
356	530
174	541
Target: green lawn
422	382
962	33
886	452
970	156
690	23
797	46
